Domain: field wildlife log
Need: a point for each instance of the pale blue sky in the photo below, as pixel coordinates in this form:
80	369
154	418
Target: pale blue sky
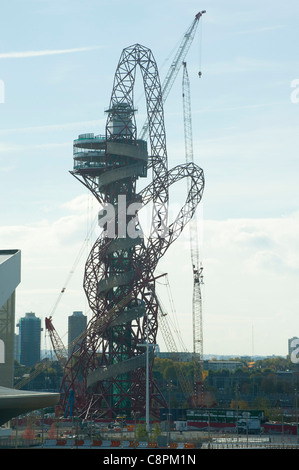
57	62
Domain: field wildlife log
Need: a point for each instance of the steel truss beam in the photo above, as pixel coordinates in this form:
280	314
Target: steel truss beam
107	372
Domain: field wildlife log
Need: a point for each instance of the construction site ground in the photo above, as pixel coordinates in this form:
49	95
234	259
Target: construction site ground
117	439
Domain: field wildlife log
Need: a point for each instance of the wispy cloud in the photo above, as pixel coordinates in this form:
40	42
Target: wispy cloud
96	124
241	64
28	54
260	30
7	147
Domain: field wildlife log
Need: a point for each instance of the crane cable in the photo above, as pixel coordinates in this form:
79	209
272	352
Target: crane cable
200	34
78	257
172	319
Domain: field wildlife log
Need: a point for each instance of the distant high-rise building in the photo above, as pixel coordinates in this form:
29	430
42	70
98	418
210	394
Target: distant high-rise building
76	325
30	336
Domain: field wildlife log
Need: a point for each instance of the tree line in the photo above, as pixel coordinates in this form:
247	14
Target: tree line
271	382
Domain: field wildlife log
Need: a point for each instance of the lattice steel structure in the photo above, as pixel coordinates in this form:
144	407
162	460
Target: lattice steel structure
107	373
195	255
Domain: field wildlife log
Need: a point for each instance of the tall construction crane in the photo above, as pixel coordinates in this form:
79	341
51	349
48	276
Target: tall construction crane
195	258
177	63
59	349
57	344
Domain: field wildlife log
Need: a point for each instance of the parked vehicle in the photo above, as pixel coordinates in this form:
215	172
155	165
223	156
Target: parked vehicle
249	426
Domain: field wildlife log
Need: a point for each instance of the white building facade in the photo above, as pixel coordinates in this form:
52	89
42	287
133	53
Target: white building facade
10	277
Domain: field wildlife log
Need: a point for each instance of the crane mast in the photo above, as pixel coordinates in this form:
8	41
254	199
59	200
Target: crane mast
195	259
58	346
176	63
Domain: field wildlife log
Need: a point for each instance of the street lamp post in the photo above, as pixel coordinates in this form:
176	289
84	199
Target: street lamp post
169	408
147	346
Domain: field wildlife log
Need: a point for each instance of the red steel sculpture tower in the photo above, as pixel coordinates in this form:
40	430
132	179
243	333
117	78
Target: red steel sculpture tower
106	374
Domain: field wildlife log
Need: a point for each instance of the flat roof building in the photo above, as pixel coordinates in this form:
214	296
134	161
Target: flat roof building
29	339
76	325
13	402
